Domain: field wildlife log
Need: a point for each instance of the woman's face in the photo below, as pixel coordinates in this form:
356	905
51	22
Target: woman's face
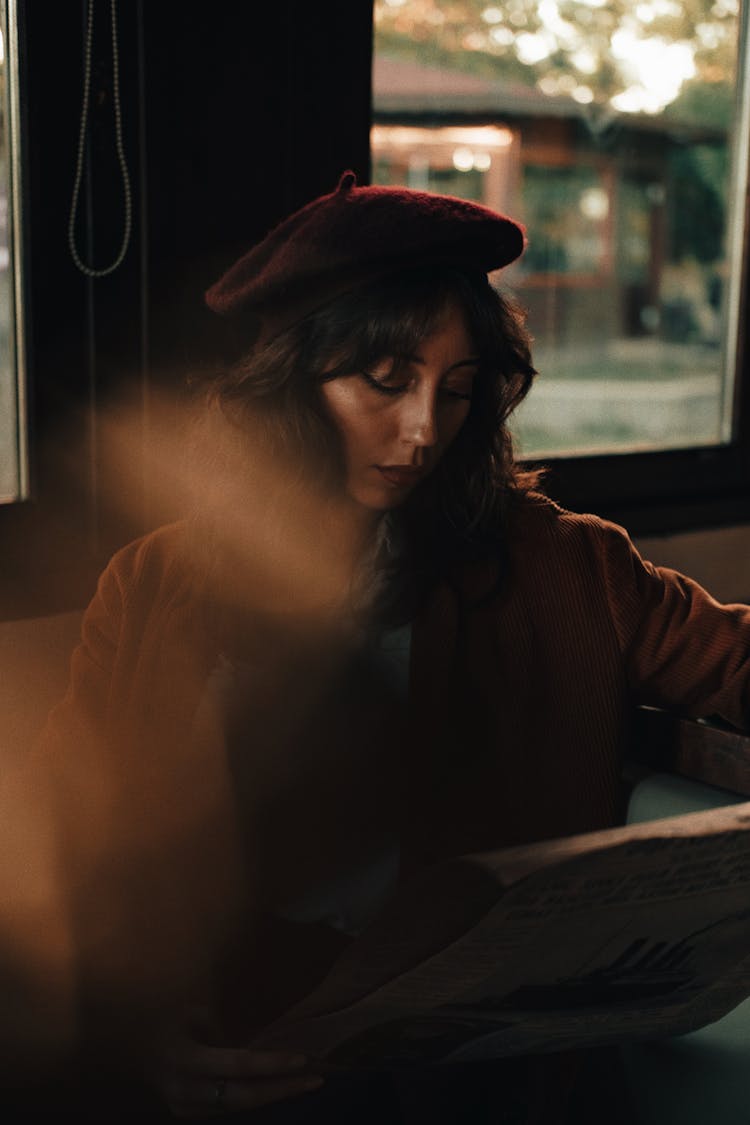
397	419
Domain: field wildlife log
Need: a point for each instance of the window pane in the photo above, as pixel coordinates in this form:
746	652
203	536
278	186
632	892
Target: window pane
607	128
12	444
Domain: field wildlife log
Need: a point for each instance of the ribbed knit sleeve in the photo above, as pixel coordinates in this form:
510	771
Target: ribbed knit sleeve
140	800
72	739
681	648
107	653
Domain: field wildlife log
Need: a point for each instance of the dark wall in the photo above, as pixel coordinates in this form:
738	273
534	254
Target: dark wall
262	108
233	115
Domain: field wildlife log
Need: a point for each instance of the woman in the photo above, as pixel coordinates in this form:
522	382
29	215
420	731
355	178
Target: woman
374	645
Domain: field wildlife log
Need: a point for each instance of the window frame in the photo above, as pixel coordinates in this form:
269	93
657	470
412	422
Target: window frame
671	490
661	491
16	156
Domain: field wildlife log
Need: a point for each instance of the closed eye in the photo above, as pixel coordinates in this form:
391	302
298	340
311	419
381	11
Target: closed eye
381	387
395	378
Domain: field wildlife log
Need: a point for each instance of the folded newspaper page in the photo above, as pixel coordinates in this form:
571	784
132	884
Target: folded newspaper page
630	933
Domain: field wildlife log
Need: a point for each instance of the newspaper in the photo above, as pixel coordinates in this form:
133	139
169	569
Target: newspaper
635	932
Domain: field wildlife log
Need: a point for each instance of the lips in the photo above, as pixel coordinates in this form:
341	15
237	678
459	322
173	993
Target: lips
400	476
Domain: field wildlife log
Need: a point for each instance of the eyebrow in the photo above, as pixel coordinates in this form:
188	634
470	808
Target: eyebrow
474	361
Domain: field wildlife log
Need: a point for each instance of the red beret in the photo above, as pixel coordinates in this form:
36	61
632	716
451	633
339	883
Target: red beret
353	234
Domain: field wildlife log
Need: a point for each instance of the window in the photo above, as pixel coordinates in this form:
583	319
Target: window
624	154
13	465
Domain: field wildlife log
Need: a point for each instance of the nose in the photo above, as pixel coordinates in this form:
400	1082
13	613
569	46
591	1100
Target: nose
419	426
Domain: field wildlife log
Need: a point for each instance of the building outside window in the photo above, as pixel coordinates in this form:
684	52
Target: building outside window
614	132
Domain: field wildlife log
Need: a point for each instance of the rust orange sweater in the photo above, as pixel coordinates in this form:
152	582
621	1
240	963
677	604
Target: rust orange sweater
523	711
519	713
519	706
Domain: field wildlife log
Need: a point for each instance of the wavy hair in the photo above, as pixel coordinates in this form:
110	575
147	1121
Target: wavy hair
460	511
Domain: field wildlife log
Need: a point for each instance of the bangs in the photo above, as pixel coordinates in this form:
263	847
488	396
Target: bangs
392	316
460	511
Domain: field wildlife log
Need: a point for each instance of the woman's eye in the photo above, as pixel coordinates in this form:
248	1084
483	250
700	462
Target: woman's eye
389	378
387	382
461	389
462	393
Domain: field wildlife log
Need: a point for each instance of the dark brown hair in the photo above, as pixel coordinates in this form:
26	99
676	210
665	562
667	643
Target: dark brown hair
460	511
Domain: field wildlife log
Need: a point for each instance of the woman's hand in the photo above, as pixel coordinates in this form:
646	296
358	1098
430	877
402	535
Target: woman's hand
195	1079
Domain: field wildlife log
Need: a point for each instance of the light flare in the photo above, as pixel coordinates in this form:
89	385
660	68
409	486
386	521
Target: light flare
123	865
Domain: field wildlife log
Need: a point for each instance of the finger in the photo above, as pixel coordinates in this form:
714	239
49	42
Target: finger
236	1062
197	1098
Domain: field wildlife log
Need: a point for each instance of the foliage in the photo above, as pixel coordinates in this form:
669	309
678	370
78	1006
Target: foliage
637	57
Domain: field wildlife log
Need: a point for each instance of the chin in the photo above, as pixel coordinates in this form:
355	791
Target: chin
379	499
378	503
